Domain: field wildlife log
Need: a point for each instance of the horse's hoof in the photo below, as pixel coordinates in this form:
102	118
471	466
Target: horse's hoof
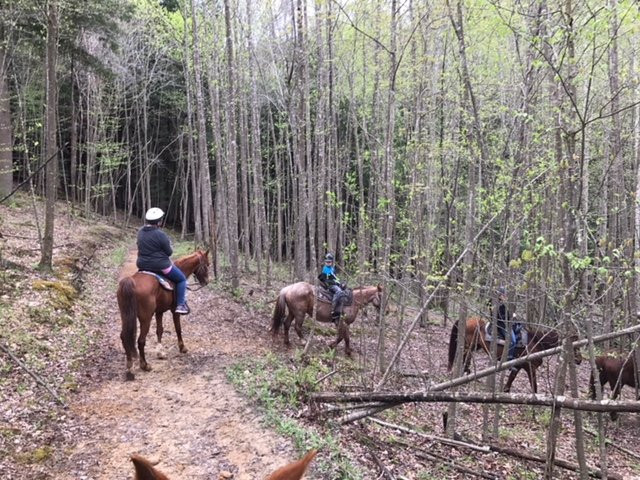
183	350
129	376
146	367
348	353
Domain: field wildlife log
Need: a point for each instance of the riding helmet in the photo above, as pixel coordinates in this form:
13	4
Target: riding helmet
154	214
328	257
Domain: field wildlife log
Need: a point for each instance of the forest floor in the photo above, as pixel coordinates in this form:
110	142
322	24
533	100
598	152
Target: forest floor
234	405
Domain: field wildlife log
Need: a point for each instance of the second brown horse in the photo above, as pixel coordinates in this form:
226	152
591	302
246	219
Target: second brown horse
474	339
299	299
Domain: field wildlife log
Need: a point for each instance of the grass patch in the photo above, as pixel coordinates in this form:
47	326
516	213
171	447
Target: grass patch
118	256
281	389
182	248
39	455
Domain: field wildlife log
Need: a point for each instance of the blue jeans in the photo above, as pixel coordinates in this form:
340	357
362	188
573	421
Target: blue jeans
336	300
512	346
177	277
502	333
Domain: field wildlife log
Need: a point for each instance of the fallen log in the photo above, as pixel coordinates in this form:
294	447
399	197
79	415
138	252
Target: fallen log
605	405
493	447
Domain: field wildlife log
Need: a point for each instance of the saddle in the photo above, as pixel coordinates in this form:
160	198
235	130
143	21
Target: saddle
164	283
325	296
522	337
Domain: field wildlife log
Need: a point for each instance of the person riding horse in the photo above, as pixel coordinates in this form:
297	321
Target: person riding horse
503	317
331	282
154	250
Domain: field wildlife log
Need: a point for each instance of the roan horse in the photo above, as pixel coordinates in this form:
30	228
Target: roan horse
140	296
474	339
615	370
299	298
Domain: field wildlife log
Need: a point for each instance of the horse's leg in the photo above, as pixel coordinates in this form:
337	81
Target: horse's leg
616	386
467	359
340	337
142	339
347	340
287	326
160	353
512	376
178	327
533	379
298	325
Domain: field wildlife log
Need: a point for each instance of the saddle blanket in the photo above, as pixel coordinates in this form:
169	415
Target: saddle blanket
324	295
164	283
522	339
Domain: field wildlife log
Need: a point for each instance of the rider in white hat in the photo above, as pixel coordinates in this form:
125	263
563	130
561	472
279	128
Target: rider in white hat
154	252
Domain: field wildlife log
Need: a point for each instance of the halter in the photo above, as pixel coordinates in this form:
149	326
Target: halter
198	284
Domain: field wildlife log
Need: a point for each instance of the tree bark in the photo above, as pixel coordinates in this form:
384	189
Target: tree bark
6	135
51	137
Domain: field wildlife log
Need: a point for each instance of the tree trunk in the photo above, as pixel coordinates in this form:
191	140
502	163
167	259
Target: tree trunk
51	147
231	166
6	138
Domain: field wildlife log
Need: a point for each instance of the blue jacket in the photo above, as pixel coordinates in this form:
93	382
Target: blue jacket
154	249
328	276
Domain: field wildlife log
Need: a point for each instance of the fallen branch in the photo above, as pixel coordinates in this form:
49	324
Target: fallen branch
574	467
38	380
438	459
44	164
385	471
434	438
492	447
84	264
613	444
471	397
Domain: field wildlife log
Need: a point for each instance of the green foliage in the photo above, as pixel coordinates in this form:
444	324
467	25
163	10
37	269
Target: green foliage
282	388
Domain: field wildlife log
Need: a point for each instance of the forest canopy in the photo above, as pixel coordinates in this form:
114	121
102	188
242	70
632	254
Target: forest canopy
396	134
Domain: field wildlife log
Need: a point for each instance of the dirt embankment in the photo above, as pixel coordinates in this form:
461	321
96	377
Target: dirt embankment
184	414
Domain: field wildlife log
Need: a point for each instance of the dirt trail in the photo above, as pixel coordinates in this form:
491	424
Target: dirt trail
183	413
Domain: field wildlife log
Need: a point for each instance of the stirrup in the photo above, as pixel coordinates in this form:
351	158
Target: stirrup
183	309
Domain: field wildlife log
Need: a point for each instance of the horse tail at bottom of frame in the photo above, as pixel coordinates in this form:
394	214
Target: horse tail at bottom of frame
278	313
128	314
453	344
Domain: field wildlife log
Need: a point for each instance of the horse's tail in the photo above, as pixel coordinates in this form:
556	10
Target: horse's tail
453	344
592	380
278	313
128	314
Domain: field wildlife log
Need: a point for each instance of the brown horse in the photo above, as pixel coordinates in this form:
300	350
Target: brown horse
140	296
299	298
474	339
144	469
293	471
615	370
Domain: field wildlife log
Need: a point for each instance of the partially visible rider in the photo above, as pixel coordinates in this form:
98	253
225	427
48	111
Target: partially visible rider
154	252
331	282
504	317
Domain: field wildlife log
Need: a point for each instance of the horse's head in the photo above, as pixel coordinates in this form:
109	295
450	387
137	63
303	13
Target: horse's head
376	298
201	271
